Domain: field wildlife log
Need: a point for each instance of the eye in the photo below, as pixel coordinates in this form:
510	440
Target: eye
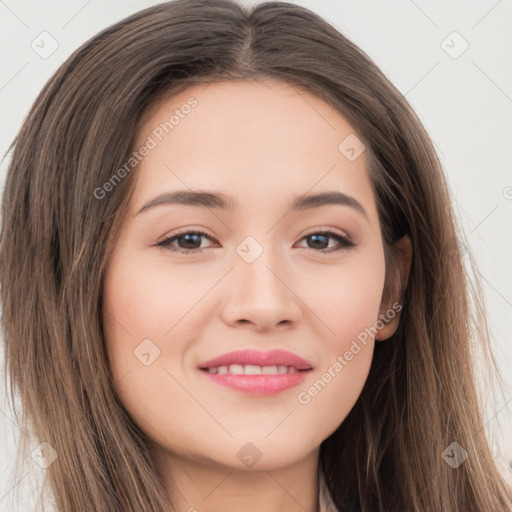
320	240
191	239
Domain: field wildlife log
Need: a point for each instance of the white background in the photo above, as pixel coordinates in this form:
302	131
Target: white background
465	103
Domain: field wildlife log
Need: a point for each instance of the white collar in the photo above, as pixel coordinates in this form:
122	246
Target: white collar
324	497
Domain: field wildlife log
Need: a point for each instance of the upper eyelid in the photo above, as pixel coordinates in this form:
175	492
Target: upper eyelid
200	232
203	232
335	231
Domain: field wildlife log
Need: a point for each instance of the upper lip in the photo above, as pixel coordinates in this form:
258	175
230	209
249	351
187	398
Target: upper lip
270	358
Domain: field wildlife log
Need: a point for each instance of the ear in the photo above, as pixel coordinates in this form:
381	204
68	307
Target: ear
395	283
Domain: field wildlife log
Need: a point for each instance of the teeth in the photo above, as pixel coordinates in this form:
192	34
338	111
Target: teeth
253	369
236	369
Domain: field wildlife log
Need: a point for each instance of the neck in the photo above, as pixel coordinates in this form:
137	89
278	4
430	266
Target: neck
207	487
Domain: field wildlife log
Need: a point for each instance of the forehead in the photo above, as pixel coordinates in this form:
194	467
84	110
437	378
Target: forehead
251	136
240	109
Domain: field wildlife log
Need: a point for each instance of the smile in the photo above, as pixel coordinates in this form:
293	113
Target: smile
257	373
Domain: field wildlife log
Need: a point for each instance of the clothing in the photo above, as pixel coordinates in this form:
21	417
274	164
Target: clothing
324	497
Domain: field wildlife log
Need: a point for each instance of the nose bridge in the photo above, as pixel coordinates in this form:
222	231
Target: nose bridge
260	289
258	269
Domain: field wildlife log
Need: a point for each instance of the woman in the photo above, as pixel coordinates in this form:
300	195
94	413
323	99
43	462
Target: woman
316	353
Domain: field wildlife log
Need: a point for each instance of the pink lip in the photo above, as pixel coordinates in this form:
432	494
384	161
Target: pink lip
271	358
263	384
259	384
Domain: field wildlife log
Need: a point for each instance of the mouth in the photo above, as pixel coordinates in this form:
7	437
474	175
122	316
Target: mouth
257	373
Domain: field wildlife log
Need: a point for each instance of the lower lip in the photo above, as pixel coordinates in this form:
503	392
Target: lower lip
259	384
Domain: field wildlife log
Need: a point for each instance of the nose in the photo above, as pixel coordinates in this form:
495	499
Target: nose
260	296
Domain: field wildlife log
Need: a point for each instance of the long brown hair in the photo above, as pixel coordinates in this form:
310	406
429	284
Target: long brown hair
421	394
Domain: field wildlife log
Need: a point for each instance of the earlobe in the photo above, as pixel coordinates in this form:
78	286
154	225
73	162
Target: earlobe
389	314
390	326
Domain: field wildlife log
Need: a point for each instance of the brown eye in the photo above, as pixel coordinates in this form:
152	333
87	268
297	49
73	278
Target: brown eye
320	240
187	241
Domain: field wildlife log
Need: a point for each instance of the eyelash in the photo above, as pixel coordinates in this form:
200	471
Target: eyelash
345	241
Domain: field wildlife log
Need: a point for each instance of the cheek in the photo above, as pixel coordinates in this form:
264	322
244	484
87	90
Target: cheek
141	304
146	301
345	299
148	318
349	309
138	309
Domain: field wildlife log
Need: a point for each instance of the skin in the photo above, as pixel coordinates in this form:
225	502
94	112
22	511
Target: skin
264	144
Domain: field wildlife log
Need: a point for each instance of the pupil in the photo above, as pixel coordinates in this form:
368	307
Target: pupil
187	238
316	237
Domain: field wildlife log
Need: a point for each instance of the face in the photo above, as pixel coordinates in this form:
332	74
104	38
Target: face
191	281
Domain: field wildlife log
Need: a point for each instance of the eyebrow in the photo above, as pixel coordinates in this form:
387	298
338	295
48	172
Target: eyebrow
217	200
